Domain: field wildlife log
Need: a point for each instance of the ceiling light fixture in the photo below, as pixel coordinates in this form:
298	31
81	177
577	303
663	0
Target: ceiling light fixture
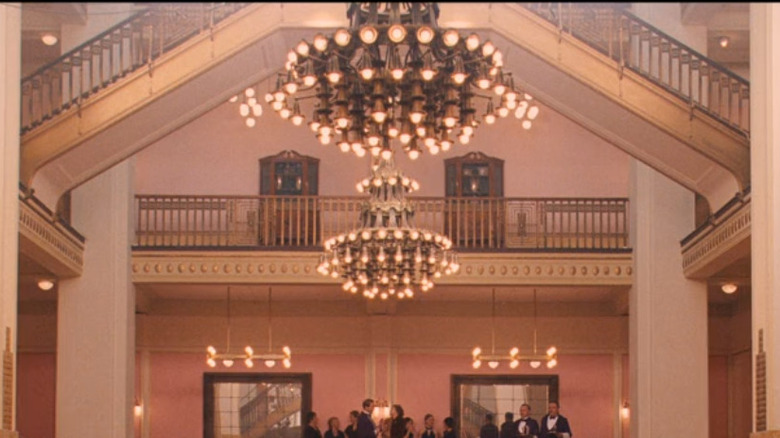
394	75
387	255
534	360
249	357
49	39
729	288
724	41
45	284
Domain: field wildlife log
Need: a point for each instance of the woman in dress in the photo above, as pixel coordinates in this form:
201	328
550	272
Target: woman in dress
410	432
398	424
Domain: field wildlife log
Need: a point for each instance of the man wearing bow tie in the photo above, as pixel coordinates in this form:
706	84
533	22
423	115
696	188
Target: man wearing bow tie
429	423
365	425
526	426
553	424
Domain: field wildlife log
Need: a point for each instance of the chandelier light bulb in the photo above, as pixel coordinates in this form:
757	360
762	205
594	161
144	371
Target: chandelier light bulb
493	364
368	34
45	284
302	48
526	124
243	109
450	38
488	48
503	112
49	39
535	364
514	351
292	57
286	363
227	362
396	33
472	42
342	37
270	363
320	42
729	288
211	350
211	363
284	112
552	351
233	99
514	364
552	363
425	35
297	119
268	97
533	112
248	363
250	122
257	110
309	80
249	92
476	364
483	83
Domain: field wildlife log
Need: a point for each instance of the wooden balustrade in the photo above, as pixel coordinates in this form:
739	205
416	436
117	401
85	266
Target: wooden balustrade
303	222
124	48
665	61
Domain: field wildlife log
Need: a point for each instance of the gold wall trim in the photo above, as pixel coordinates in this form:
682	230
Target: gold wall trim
573	269
716	246
48	243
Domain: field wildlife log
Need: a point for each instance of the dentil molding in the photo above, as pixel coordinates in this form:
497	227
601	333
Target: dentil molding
571	269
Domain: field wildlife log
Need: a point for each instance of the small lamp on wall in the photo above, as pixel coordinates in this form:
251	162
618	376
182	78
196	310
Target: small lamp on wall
138	408
381	410
624	410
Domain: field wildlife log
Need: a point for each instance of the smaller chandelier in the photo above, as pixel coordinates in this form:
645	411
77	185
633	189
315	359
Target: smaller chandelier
248	357
388	256
514	357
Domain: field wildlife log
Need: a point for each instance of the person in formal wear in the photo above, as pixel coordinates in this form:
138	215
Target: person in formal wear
385	427
397	424
527	427
334	428
365	425
508	429
488	430
410	431
312	429
429	422
554	425
449	428
351	430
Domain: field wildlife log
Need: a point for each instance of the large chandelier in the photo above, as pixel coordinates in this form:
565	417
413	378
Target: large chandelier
387	255
514	357
394	75
248	357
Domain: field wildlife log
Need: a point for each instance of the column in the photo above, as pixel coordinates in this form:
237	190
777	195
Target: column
765	213
96	315
667	314
10	70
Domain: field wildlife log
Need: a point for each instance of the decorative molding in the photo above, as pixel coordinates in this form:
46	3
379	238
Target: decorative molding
717	239
48	242
574	269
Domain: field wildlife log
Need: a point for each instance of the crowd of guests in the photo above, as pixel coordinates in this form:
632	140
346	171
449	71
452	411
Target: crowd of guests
552	425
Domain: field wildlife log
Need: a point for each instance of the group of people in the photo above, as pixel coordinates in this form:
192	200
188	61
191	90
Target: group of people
553	425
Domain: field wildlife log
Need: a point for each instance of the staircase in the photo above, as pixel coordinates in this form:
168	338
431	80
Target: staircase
602	67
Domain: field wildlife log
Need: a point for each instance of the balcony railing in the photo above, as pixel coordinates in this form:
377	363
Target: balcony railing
303	222
124	48
665	61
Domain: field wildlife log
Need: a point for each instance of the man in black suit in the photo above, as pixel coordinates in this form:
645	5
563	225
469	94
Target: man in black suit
312	428
526	426
553	424
488	430
365	425
508	429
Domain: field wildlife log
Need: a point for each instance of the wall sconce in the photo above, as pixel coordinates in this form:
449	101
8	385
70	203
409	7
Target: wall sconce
381	411
729	288
138	409
625	411
724	41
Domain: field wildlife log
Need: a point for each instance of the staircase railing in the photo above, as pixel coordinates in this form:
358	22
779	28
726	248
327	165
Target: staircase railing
124	48
665	61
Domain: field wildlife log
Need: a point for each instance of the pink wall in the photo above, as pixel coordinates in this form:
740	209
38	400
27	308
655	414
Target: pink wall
177	389
35	391
585	388
217	154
